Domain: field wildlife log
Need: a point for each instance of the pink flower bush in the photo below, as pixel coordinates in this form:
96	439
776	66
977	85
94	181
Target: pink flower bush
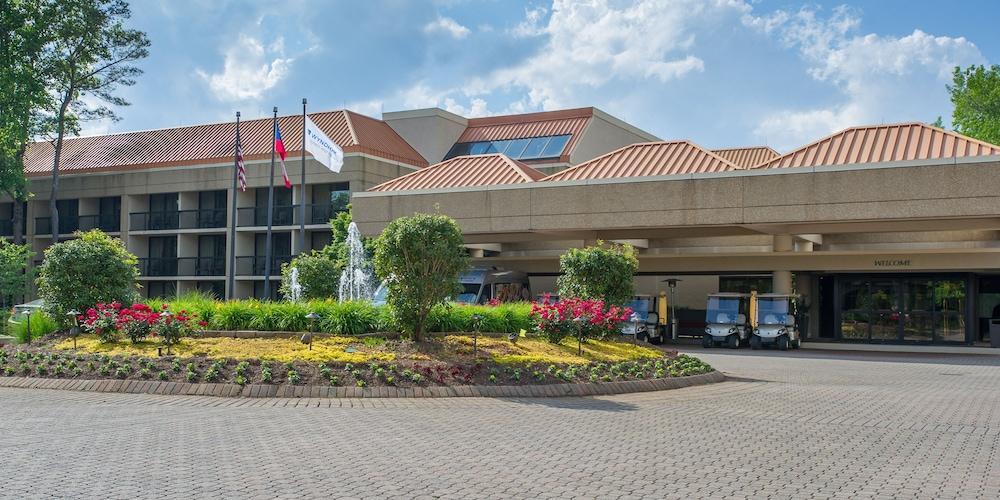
556	319
109	321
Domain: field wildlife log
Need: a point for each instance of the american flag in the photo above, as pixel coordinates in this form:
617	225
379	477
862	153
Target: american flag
241	169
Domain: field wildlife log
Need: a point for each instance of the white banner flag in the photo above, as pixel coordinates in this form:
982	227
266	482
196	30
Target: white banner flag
322	148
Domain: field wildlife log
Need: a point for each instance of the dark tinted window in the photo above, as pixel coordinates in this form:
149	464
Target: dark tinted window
555	146
526	148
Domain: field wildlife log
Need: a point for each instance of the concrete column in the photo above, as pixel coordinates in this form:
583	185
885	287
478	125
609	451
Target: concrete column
781	281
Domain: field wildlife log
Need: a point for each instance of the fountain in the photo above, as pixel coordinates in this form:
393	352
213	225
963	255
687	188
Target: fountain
294	287
356	281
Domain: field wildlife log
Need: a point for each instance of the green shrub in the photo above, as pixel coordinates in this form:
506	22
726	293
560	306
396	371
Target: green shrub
92	269
603	272
319	276
420	257
41	325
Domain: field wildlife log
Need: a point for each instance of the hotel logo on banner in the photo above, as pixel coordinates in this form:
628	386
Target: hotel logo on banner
322	148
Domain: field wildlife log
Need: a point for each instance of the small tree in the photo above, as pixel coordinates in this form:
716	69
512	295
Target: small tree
319	276
421	257
93	269
13	270
603	272
975	93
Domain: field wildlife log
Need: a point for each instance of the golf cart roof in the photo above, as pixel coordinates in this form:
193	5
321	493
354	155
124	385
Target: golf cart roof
729	294
778	296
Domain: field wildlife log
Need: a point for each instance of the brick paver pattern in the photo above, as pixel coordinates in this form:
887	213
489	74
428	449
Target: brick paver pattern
792	425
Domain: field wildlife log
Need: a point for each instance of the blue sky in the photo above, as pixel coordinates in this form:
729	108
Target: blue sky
720	73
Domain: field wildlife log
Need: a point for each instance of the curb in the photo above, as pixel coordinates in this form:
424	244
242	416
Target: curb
316	391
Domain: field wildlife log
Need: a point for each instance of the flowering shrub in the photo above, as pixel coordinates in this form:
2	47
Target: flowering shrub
102	320
170	328
556	319
136	322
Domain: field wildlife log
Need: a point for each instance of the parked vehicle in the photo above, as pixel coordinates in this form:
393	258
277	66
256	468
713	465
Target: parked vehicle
482	285
643	324
775	322
17	313
726	317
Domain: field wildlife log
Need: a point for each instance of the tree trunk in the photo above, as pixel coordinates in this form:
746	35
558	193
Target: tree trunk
56	156
18	220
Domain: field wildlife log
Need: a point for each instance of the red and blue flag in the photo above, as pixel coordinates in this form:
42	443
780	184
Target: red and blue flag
279	147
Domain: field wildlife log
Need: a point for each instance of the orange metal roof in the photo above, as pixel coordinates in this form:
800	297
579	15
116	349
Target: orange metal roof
647	159
214	143
883	143
465	171
541	124
747	157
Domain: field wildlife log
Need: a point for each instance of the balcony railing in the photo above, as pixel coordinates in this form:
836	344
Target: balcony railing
67	224
109	223
180	219
254	266
287	215
158	266
182	266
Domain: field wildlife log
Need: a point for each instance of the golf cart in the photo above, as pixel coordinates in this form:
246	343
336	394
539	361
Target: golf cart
775	322
643	322
726	318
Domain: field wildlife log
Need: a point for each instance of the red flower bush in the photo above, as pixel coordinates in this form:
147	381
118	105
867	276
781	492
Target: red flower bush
558	320
137	322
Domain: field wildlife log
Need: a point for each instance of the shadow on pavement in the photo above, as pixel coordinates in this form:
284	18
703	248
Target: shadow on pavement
576	403
880	357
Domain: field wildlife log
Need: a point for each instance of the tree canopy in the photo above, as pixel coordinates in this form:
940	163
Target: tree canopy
599	272
975	93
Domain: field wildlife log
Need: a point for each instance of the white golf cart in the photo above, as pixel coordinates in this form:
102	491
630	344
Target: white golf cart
726	318
775	322
643	323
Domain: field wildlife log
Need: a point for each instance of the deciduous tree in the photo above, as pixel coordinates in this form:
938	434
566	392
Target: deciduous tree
975	93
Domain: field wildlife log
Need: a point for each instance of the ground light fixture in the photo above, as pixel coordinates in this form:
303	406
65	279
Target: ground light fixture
635	327
307	338
580	321
476	319
165	317
27	316
74	329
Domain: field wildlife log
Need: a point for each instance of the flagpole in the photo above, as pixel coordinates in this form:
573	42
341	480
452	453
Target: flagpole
231	290
270	211
302	200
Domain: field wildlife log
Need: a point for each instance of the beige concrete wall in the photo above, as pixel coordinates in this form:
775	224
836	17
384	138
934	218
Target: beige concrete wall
606	133
432	131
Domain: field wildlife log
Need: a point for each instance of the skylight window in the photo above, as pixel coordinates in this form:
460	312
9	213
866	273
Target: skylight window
531	148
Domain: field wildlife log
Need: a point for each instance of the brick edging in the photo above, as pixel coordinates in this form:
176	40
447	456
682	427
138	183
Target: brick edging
318	391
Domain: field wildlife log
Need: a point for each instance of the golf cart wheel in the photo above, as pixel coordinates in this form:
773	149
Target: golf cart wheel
783	343
733	341
642	337
797	344
707	342
755	342
657	340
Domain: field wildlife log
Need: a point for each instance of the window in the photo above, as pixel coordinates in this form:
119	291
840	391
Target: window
527	148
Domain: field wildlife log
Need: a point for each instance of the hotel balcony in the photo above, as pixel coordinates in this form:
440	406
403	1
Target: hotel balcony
182	266
180	219
287	215
254	266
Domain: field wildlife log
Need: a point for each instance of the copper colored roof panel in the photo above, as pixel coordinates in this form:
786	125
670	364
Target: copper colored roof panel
647	159
214	143
465	171
747	157
545	123
883	143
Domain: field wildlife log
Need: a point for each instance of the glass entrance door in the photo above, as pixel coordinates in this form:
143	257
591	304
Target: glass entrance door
907	309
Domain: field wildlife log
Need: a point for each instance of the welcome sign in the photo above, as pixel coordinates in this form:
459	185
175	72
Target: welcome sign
322	148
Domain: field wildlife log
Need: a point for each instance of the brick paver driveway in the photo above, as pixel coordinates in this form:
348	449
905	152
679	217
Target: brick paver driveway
802	424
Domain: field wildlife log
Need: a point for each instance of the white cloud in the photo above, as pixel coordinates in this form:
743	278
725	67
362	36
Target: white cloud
532	23
447	25
876	76
249	70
